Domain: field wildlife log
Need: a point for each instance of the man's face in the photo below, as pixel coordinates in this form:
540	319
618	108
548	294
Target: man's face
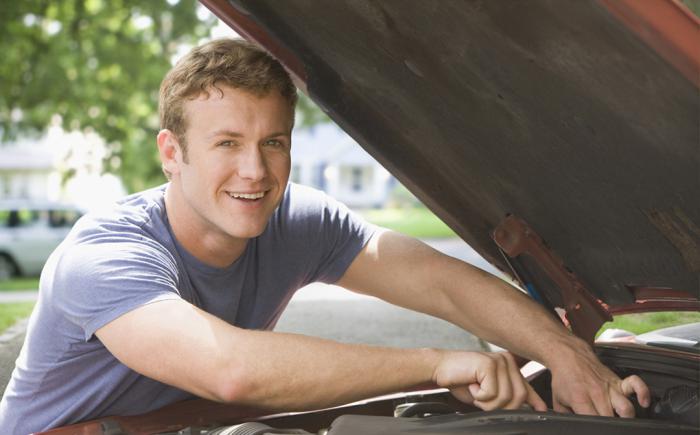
238	161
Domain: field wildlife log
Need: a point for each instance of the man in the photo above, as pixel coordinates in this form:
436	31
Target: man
172	294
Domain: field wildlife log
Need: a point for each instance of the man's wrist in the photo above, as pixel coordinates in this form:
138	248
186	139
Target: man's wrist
432	358
563	350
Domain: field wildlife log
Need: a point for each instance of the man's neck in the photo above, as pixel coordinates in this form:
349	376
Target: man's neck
205	243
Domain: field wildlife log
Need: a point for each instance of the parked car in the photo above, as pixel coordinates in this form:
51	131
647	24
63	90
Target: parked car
559	139
29	232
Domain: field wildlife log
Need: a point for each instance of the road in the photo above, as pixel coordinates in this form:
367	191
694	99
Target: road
330	312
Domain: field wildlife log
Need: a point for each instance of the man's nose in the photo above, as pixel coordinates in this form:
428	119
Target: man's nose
252	165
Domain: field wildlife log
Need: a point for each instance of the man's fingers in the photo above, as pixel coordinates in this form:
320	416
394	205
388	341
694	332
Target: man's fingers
534	399
601	402
463	394
488	382
623	407
504	392
634	385
630	385
519	391
558	407
495	382
584	408
505	387
474	389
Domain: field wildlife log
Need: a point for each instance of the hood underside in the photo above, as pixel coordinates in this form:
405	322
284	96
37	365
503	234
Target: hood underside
555	113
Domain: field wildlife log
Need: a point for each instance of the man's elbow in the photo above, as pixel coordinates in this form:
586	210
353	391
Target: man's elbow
235	386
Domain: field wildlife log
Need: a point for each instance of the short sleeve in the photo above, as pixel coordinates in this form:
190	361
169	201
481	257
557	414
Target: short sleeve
329	233
97	282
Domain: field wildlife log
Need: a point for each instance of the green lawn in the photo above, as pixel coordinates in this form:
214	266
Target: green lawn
645	322
31	283
12	312
416	222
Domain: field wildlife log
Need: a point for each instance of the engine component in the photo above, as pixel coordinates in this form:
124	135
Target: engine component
679	403
254	428
251	428
422	409
504	422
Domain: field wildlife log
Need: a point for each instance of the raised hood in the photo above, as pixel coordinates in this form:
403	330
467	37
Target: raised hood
579	118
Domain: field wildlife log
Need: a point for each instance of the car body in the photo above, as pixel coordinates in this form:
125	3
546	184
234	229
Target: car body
29	232
559	139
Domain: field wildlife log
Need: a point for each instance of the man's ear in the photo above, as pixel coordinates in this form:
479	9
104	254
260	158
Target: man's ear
170	151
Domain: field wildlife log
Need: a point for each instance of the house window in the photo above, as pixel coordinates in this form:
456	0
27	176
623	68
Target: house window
320	177
357	179
5	186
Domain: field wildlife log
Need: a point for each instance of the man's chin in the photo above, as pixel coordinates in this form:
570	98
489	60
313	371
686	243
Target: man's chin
246	233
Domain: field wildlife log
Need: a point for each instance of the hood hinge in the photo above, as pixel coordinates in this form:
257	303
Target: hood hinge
584	313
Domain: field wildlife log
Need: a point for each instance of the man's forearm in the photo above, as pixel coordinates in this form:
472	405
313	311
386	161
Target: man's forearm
166	341
278	371
503	315
407	272
296	372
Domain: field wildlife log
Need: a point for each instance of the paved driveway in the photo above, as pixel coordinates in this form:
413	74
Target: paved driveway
332	312
323	311
10	344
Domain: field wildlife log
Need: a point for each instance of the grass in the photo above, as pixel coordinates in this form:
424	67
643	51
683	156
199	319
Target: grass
30	283
12	312
416	222
645	322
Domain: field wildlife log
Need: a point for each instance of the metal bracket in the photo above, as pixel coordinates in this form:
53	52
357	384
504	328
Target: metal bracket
584	313
648	299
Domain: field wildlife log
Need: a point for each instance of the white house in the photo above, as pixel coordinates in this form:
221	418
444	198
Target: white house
27	170
31	170
327	158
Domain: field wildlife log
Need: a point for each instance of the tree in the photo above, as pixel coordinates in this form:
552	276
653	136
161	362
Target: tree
98	64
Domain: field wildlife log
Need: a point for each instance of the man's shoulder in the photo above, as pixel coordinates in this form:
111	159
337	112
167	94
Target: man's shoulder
300	200
131	236
141	213
134	226
306	210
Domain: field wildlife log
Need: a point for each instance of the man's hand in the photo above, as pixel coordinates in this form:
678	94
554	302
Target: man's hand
487	380
583	385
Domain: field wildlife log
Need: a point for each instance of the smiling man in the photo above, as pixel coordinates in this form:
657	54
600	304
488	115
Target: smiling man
172	294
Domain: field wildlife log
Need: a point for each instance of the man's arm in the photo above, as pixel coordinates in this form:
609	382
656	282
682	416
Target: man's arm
178	344
406	272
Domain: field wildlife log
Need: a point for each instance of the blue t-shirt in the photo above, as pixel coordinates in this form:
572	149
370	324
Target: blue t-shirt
113	263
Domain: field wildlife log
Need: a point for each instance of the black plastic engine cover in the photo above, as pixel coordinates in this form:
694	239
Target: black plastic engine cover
503	422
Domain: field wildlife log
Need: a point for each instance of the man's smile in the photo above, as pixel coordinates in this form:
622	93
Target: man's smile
252	196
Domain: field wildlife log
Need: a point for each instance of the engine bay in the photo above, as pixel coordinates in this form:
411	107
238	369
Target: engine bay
674	408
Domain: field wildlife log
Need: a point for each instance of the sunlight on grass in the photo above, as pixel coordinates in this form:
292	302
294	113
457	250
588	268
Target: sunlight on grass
31	283
12	312
645	322
415	222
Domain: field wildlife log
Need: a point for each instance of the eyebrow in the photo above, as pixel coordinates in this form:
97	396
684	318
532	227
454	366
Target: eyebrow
226	133
232	133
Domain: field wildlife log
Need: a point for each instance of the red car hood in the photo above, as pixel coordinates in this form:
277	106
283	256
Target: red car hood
580	121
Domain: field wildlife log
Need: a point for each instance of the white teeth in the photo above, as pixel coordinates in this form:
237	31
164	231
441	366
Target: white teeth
257	195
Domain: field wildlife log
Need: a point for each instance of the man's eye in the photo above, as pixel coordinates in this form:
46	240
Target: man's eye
273	143
226	143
